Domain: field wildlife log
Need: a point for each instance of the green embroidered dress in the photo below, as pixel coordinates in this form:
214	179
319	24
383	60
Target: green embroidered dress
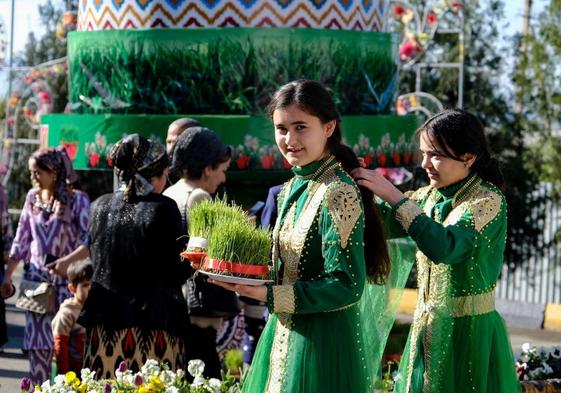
458	341
313	341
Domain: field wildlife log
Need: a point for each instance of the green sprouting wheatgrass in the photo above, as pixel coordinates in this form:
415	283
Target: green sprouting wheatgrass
240	242
205	216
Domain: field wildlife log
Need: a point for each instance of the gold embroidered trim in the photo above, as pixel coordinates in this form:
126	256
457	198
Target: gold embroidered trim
279	354
343	205
283	299
471	305
342	308
419	194
406	213
329	161
485	207
288	245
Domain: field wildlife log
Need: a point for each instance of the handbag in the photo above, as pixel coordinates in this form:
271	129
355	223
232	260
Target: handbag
37	297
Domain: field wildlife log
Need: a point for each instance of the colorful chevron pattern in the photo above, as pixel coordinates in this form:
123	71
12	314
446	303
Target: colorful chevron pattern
363	15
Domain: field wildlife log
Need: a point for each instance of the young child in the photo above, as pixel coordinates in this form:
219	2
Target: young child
68	335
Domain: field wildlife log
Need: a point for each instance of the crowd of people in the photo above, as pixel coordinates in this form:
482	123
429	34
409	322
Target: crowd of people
122	293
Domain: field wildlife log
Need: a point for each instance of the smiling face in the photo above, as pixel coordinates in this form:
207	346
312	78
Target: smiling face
40	177
301	137
441	169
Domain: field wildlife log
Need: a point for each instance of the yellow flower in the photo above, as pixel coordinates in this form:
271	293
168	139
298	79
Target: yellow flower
37	388
71	378
155	383
144	389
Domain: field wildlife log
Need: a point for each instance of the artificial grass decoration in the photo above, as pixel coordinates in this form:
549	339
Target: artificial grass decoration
226	71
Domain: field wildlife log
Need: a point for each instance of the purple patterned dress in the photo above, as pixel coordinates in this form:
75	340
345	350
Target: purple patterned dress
38	235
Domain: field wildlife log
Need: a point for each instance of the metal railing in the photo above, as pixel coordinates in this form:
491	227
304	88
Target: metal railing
537	279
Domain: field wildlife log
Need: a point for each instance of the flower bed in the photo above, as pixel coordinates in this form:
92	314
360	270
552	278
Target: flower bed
539	370
153	377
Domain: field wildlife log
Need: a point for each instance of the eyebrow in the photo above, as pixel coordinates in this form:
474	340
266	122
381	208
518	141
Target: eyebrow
294	123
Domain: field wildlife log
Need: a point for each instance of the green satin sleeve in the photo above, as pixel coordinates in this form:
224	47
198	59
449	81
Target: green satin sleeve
463	231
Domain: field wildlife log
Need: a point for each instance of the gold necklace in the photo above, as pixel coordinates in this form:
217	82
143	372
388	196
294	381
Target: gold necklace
328	161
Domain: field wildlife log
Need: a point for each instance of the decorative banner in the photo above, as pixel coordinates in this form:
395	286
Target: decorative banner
365	15
226	71
383	141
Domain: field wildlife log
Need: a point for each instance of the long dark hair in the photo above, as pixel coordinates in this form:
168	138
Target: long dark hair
313	98
459	132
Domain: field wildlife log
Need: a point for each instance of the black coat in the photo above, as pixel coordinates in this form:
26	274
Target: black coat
134	247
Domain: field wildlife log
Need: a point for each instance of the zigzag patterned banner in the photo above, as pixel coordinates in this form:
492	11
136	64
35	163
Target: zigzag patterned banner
362	15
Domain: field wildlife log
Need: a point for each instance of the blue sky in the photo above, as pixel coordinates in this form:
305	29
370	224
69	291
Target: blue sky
27	19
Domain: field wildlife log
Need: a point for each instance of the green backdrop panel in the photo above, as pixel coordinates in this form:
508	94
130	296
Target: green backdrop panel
383	140
226	71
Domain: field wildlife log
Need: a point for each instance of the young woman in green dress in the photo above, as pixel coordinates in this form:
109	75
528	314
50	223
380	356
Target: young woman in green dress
315	340
458	341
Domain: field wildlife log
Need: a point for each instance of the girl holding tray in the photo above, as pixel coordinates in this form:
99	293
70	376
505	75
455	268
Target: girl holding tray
327	228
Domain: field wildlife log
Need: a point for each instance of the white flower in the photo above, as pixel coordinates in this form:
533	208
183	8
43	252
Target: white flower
86	375
198	381
526	347
60	380
167	376
46	385
172	389
196	367
556	352
150	368
215	385
180	373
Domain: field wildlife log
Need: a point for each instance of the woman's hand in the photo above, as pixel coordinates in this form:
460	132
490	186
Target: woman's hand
258	292
7	289
378	184
60	266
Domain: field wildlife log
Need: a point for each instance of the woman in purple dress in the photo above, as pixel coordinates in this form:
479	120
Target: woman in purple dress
53	223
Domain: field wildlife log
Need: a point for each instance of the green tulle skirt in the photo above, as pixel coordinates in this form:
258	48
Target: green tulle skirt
321	352
467	354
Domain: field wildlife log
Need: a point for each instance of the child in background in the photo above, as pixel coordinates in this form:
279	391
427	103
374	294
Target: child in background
69	336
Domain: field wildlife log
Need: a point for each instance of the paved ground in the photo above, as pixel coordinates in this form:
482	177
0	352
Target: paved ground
14	365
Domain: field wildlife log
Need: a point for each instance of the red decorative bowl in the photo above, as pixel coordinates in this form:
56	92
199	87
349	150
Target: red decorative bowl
195	257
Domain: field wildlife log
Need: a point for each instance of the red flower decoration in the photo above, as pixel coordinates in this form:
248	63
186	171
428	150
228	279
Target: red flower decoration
396	158
267	162
94	160
398	10
406	158
71	148
456	6
242	162
44	97
432	19
368	160
382	159
409	49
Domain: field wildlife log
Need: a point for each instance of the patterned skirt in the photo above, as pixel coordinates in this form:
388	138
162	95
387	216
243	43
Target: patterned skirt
106	349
